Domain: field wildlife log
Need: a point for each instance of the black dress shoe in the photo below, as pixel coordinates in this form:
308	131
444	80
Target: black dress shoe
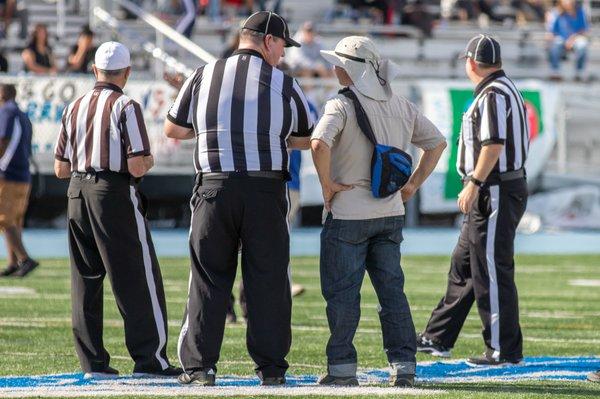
273	381
333	381
107	374
26	267
402	380
169	372
9	270
205	378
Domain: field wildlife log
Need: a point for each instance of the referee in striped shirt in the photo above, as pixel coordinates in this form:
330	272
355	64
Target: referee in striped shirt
102	146
493	149
244	114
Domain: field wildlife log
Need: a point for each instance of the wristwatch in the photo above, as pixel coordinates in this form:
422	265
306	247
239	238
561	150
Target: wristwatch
477	182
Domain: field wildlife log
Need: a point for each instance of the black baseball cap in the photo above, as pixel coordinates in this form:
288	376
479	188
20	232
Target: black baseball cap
268	22
484	49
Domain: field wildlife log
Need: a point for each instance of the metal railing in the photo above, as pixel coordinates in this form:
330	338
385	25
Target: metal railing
104	10
157	53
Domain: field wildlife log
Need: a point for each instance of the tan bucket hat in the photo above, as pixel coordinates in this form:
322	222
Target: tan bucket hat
359	57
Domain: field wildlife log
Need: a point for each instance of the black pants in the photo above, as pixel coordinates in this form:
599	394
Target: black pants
224	212
482	270
108	234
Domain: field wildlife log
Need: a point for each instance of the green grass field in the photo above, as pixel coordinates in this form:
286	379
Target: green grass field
557	319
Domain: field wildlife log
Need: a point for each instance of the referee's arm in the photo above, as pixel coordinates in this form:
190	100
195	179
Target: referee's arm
62	165
178	124
303	122
493	137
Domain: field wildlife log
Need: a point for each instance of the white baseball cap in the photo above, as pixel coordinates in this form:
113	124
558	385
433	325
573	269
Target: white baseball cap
111	56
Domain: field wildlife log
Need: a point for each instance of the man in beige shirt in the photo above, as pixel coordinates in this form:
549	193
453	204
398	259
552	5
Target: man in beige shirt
363	233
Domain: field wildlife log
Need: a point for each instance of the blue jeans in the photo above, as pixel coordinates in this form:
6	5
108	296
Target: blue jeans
558	50
348	248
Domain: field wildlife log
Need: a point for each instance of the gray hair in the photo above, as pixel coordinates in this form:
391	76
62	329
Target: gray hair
113	72
251	36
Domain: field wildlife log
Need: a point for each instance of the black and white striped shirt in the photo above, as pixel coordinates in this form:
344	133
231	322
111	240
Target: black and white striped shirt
497	115
101	130
242	110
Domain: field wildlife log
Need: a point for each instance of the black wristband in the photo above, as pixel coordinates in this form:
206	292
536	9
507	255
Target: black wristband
477	182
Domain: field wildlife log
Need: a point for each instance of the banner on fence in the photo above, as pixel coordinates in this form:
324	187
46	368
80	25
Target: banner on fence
444	103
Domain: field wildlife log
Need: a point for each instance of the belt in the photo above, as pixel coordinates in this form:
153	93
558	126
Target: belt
279	175
497	178
93	174
84	175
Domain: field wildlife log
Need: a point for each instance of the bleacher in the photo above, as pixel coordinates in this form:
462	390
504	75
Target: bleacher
523	47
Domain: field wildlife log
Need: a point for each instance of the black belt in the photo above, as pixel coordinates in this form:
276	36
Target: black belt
93	174
275	174
497	178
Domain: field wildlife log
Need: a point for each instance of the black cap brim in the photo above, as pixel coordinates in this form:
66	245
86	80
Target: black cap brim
289	42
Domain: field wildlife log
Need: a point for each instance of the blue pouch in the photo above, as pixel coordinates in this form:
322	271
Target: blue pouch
390	166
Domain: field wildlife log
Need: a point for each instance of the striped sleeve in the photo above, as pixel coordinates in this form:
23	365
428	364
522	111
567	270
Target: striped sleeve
302	119
494	113
133	131
181	110
60	150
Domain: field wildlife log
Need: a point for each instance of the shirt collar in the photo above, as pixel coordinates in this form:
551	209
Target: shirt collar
488	79
109	86
248	51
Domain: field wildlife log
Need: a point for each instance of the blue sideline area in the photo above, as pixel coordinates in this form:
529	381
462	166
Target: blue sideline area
45	243
534	368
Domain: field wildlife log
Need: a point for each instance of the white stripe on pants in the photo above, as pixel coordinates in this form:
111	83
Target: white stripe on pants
491	266
157	312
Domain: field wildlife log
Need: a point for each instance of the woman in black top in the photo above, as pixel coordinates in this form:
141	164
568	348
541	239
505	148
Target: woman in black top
37	56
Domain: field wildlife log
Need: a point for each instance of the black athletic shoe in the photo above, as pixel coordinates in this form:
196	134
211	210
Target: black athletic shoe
426	345
594	377
330	380
198	377
107	374
402	380
272	381
26	267
169	372
9	270
488	360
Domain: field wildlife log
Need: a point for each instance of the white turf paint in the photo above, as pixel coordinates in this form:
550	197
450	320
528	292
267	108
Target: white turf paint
16	291
150	387
584	283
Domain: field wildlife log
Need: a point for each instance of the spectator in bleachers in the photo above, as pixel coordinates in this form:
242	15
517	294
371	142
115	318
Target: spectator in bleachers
10	9
82	54
529	10
240	7
274	5
568	28
306	61
3	62
37	56
415	13
186	23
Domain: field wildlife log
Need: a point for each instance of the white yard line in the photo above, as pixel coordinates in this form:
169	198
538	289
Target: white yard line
41	322
134	390
584	283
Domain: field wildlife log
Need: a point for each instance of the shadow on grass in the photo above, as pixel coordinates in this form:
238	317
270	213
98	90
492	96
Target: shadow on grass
568	388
